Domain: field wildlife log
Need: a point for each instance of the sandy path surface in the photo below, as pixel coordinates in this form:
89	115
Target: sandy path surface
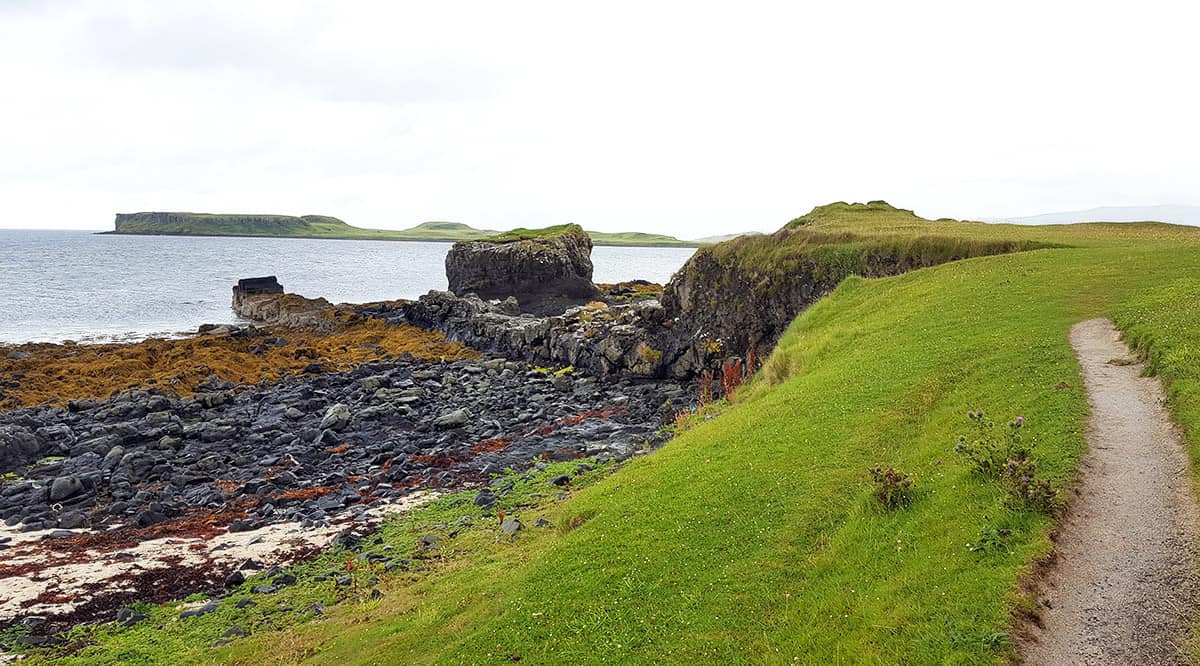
1123	585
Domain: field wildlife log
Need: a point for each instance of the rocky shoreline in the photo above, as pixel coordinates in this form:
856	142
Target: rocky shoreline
171	484
313	450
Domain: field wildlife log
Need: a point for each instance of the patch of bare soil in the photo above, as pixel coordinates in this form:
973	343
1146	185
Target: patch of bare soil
1123	582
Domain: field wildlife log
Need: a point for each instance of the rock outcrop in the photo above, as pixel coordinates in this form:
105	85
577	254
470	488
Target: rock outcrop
600	339
546	271
262	300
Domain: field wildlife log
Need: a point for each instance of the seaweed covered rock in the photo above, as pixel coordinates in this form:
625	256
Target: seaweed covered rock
546	270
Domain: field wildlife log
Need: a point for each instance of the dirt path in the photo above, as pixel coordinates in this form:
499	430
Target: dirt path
1123	585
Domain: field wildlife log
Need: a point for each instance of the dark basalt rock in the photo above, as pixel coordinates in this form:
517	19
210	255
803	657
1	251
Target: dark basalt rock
545	275
259	285
142	458
613	340
18	446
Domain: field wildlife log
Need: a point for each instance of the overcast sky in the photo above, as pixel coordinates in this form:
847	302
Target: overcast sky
684	118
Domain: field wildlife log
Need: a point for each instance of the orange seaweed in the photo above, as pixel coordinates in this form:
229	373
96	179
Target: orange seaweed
60	372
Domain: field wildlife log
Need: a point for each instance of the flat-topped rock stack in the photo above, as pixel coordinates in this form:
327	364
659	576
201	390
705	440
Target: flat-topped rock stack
546	270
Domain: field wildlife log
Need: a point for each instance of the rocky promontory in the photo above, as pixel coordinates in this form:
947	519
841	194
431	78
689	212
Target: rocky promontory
546	270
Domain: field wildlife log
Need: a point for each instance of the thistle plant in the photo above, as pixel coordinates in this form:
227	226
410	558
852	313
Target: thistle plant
1022	488
988	449
893	488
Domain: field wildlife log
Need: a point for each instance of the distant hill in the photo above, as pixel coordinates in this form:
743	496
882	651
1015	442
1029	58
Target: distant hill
321	226
721	239
1171	214
444	231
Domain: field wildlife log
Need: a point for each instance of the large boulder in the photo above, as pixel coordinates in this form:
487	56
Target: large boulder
546	270
18	447
263	300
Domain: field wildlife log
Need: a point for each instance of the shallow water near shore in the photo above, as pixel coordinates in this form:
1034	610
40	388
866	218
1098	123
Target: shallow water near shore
58	285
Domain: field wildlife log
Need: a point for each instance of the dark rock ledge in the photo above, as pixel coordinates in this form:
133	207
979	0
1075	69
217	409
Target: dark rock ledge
377	432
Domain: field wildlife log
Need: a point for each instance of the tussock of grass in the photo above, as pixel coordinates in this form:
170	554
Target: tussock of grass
521	233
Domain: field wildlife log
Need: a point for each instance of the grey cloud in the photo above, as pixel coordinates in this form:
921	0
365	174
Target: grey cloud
285	55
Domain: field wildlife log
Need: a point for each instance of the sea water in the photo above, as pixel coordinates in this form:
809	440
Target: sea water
78	285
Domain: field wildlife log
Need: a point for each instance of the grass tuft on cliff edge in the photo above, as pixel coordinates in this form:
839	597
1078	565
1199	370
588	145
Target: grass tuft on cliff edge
753	537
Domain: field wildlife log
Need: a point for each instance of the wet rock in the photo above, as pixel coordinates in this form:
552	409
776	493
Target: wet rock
70	520
149	517
510	527
455	419
485	498
242	525
37	641
234	579
18	447
207	608
127	617
337	417
427	542
65	487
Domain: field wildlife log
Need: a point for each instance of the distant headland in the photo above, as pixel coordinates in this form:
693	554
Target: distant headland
323	226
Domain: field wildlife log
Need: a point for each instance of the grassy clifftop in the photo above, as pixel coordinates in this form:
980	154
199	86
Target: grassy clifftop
321	226
754	537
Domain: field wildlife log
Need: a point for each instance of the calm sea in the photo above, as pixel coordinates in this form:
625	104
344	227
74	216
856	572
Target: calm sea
58	285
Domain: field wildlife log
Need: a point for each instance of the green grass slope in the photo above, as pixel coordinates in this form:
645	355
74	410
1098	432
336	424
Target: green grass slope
630	238
753	537
320	226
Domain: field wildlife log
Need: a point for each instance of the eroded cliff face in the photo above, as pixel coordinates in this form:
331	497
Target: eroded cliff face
723	308
743	294
546	275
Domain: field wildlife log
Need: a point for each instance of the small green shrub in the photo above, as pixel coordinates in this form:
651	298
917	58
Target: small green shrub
991	540
988	450
893	488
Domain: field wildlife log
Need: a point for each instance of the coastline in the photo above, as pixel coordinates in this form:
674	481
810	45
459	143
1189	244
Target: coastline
126	458
600	243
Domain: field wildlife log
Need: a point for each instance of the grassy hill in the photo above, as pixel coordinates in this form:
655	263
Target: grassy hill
320	226
753	537
598	237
